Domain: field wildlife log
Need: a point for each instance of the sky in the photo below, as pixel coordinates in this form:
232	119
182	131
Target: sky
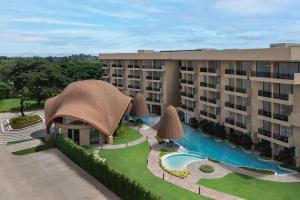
65	27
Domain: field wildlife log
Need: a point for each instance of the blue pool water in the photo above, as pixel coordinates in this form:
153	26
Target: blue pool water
196	143
179	160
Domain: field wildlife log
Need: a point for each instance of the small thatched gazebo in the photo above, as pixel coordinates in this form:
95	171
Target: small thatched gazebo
169	125
139	106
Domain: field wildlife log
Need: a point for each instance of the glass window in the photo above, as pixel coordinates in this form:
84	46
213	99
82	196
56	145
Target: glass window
245	66
267	125
262	66
288	68
267	87
267	106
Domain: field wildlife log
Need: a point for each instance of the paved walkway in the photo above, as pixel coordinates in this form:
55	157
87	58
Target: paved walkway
47	175
24	145
35	131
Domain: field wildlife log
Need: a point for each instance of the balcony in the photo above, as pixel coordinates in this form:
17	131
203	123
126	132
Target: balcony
134	76
212	85
264	132
281	96
229	121
203	98
117	75
282	138
264	113
153	99
209	70
241	107
203	84
153	89
190	108
133	66
154	67
187	95
275	75
241	72
190	69
229	104
104	74
189	82
263	93
134	87
211	115
211	100
156	78
229	88
281	117
118	84
241	125
116	66
202	112
241	90
229	71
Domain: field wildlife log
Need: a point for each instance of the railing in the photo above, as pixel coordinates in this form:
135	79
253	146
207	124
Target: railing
133	66
186	68
134	87
281	96
241	72
264	93
229	121
282	138
104	74
187	107
264	132
241	125
212	70
281	117
211	115
212	85
241	107
153	99
117	75
151	67
116	66
211	100
203	84
229	71
153	89
229	104
202	69
273	75
264	113
202	112
134	76
203	98
187	94
229	88
153	78
241	90
184	81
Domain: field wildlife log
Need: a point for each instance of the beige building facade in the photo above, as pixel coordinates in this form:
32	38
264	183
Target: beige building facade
254	92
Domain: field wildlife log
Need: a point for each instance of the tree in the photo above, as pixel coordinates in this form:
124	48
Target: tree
6	90
286	156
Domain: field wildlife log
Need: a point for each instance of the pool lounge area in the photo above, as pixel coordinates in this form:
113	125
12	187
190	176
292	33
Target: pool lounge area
195	142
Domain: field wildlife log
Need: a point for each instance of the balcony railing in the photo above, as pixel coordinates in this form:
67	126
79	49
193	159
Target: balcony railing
212	70
241	125
264	93
202	112
134	76
241	72
264	132
211	100
190	108
229	104
211	115
116	66
203	69
184	81
229	121
282	138
203	84
229	88
241	90
281	117
133	66
157	78
151	67
153	89
134	86
118	84
241	107
281	96
203	98
264	113
187	95
153	99
186	68
229	71
212	85
117	75
273	75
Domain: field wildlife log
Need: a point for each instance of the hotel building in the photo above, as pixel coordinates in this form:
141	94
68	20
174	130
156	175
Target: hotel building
255	92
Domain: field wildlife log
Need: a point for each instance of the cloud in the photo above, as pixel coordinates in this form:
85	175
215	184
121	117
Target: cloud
39	20
22	37
250	7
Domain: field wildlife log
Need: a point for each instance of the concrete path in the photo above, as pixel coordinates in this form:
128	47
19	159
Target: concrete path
24	145
46	175
35	131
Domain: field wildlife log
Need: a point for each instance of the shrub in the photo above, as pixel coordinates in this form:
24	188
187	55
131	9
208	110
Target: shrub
219	131
194	122
207	168
116	182
24	121
264	148
246	141
121	131
233	138
286	157
261	171
165	151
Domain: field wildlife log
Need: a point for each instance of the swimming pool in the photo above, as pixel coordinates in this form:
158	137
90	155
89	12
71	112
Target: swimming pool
196	143
150	120
179	161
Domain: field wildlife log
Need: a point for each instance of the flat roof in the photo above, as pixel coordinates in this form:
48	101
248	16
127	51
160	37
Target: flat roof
278	53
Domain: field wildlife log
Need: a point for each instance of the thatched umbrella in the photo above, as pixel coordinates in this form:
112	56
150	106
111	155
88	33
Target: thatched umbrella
139	106
169	125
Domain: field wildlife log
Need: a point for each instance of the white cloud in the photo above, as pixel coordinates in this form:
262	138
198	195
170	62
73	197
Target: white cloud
54	21
251	7
22	37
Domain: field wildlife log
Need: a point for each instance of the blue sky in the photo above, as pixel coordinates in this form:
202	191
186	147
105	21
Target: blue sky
63	27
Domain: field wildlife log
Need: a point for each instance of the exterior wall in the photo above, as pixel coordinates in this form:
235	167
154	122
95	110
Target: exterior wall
176	91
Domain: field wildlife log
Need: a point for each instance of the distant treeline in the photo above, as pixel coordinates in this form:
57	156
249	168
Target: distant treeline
39	78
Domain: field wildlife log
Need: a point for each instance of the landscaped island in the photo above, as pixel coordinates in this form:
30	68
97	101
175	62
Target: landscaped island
24	121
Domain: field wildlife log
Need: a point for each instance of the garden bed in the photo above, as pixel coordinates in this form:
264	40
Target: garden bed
260	171
207	168
24	121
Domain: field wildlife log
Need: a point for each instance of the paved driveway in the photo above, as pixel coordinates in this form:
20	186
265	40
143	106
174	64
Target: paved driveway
46	175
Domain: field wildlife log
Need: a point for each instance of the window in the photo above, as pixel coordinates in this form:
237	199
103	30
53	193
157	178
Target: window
288	68
267	87
267	126
262	66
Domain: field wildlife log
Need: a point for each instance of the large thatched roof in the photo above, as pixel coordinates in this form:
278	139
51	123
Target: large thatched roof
169	125
95	102
139	106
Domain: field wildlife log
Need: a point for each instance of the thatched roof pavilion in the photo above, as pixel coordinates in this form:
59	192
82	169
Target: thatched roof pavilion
139	106
169	125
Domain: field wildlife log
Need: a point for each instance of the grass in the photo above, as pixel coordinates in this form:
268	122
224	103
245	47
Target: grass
13	105
24	121
251	188
165	151
47	145
131	136
132	163
261	171
207	168
19	141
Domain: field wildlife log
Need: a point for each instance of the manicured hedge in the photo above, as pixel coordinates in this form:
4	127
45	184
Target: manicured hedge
261	171
24	121
116	182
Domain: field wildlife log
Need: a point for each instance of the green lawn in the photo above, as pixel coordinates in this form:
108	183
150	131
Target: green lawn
12	105
132	135
251	188
132	162
47	145
19	141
